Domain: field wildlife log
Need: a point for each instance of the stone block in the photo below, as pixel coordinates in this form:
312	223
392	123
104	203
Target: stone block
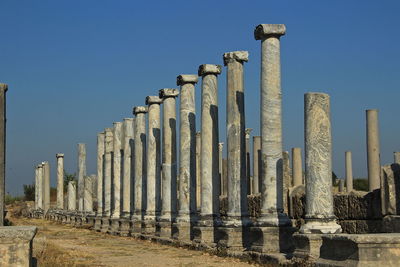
341	206
297	202
272	239
16	245
390	189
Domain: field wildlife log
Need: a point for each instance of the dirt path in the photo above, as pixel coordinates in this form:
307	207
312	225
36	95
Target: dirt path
63	245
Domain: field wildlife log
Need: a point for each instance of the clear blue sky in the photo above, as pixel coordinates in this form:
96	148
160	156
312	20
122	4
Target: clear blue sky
74	67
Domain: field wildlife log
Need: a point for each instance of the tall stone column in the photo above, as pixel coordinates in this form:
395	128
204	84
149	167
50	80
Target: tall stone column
220	165
3	90
36	188
60	181
100	173
153	163
318	147
373	149
40	186
46	186
210	184
256	163
271	125
108	150
297	166
88	194
169	189
81	174
116	176
349	172
72	195
187	158
198	172
127	179
396	156
140	167
248	165
341	186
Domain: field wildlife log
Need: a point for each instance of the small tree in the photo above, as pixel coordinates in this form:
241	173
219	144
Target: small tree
29	192
67	178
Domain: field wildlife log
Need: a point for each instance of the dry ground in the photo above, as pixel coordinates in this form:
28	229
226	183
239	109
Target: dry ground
63	245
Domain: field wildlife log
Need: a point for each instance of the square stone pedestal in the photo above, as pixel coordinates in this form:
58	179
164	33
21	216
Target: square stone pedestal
16	245
182	231
272	239
205	235
114	226
307	245
164	229
233	238
124	226
97	223
149	227
136	229
105	224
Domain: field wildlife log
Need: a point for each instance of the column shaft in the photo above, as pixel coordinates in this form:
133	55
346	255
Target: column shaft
3	90
297	166
224	190
256	163
100	173
36	188
46	185
81	174
108	150
396	156
373	149
127	180
60	181
88	194
72	195
349	172
40	186
116	176
248	160
198	171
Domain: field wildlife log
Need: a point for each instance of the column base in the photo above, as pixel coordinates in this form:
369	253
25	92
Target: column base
272	239
149	226
90	219
273	219
97	224
318	226
113	229
124	226
182	231
307	245
164	229
105	224
136	228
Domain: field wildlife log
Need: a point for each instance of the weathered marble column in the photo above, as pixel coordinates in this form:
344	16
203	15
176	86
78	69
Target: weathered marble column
396	156
60	181
100	173
318	147
169	189
198	172
108	150
153	162
116	176
349	172
140	158
187	159
127	179
286	180
220	163
271	125
256	164
40	186
46	186
297	167
248	160
88	193
81	174
236	138
341	186
373	149
72	195
36	187
210	184
3	90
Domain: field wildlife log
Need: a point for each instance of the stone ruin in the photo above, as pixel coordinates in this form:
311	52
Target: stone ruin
276	215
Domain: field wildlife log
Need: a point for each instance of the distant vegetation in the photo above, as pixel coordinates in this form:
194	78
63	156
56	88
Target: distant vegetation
29	192
9	199
360	184
67	178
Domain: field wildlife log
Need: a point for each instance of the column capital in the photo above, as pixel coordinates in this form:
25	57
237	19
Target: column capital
168	92
139	109
209	69
3	87
59	155
117	123
186	78
220	146
154	99
198	133
108	130
247	131
264	31
240	56
128	119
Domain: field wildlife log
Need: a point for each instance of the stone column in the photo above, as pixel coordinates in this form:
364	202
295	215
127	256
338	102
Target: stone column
286	180
373	150
248	167
36	187
88	193
169	189
318	146
220	163
3	90
210	184
127	180
236	138
140	166
297	167
108	150
349	172
256	163
198	172
72	195
40	186
116	176
100	173
187	152
46	186
60	181
341	186
396	156
271	125
81	174
153	162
